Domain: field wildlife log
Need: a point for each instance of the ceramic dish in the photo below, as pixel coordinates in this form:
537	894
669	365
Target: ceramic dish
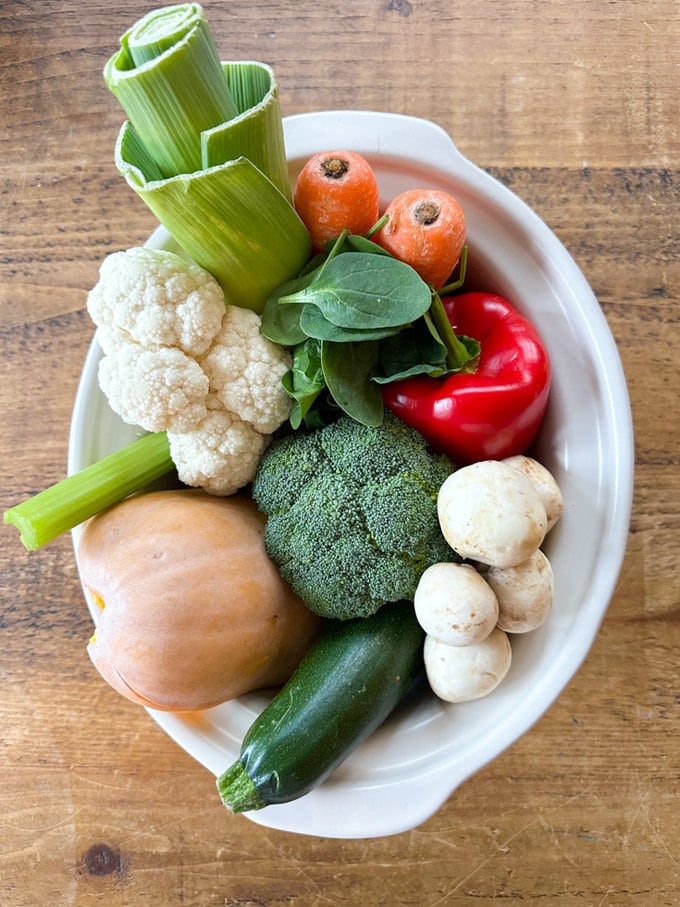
412	765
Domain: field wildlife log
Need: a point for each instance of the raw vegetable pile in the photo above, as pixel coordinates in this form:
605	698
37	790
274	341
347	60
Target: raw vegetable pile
344	424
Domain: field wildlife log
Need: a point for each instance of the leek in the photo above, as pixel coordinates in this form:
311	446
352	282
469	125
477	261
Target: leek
168	78
61	507
203	147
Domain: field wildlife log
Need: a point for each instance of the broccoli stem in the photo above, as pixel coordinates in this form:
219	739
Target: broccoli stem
60	507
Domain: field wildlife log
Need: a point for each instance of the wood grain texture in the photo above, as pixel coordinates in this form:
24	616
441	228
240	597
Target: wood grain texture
574	105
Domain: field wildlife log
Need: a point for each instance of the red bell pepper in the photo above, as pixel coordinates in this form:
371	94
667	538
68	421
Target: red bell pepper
489	413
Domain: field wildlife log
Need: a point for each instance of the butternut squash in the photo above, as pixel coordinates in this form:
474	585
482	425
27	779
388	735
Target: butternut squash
193	612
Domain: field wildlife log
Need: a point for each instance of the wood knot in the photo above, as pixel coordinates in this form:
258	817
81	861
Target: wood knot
403	7
102	860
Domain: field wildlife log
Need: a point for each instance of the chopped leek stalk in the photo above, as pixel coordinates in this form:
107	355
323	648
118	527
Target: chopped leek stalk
168	79
204	148
257	133
61	507
248	263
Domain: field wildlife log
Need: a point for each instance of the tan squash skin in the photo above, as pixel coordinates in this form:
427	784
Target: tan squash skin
193	611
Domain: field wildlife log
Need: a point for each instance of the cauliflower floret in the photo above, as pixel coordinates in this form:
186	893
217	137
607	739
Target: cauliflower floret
177	359
158	299
245	371
156	389
220	455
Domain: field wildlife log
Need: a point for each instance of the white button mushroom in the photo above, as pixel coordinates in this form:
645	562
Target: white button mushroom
545	484
524	593
463	673
491	512
455	604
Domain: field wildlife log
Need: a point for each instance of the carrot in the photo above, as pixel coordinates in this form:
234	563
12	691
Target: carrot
336	191
426	229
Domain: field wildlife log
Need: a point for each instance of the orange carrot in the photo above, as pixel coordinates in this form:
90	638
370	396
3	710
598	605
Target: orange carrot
336	191
426	229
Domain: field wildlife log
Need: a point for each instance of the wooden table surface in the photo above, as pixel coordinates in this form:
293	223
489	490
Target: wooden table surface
574	104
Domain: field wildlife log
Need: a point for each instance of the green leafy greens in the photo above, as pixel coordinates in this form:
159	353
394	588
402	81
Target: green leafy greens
355	318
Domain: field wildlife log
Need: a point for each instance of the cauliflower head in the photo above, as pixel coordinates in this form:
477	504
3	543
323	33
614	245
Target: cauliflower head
220	455
155	299
245	371
178	359
157	389
352	514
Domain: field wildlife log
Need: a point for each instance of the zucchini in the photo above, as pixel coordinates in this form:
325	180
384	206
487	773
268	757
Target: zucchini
347	684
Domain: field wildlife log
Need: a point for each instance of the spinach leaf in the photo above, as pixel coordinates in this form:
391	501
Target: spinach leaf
281	323
362	290
418	350
314	324
354	242
462	352
358	318
348	369
304	381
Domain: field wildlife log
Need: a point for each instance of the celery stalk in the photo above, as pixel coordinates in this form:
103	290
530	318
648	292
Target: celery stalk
59	508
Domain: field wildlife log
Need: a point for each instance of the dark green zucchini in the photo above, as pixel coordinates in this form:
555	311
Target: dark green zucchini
354	675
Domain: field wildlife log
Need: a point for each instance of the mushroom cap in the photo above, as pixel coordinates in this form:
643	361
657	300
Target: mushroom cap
491	512
525	593
463	673
545	484
455	604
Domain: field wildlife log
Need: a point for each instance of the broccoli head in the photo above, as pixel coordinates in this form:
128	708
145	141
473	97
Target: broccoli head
352	513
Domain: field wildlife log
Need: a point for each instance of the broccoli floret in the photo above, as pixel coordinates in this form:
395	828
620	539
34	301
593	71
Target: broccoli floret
401	516
352	514
372	454
290	467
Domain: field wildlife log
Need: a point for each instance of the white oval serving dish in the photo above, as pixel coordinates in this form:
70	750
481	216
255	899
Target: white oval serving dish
411	766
